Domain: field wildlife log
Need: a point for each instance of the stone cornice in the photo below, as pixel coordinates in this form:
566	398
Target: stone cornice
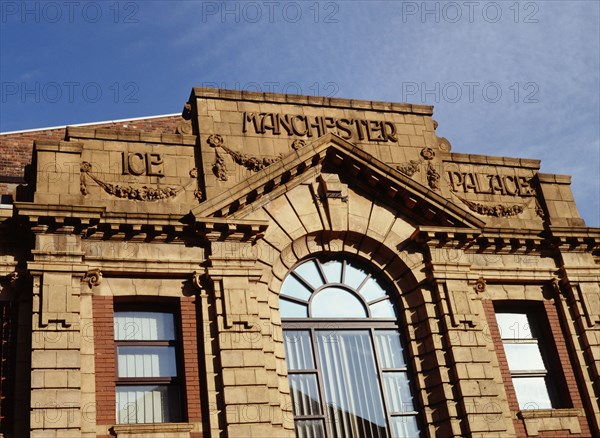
130	135
296	99
492	161
97	223
510	240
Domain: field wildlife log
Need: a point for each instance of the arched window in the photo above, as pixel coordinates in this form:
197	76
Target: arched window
347	367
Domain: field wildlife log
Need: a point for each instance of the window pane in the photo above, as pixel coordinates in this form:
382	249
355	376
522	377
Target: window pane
524	357
333	271
146	362
310	429
353	399
310	273
397	392
144	326
389	349
513	326
305	394
289	309
404	427
293	288
382	309
333	302
354	276
298	350
371	290
147	404
532	393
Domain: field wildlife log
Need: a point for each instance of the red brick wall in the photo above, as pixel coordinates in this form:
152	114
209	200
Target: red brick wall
190	358
557	338
104	358
16	149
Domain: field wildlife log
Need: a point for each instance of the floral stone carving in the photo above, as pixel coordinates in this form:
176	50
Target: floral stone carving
143	193
250	162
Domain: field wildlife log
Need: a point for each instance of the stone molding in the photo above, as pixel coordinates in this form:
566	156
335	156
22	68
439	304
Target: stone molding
331	102
364	169
159	430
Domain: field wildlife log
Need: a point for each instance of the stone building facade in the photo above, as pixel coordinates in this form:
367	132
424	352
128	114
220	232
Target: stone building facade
273	265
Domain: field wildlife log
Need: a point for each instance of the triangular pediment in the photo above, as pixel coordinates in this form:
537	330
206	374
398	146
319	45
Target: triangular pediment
357	168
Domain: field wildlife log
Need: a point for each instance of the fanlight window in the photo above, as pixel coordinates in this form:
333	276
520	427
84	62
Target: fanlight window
347	367
318	289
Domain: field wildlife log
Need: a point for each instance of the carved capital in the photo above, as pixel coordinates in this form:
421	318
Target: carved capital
93	278
480	285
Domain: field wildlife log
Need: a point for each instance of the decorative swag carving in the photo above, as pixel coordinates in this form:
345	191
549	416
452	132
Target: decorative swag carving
143	193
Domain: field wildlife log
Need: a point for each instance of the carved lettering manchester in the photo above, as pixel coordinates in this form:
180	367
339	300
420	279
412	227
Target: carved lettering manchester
316	126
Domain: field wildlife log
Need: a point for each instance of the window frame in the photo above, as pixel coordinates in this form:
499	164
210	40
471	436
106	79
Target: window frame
368	323
178	381
543	337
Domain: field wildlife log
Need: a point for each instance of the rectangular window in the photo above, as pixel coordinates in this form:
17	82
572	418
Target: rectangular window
527	354
147	354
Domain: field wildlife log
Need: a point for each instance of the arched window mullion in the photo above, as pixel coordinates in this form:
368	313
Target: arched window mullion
294	299
377	300
304	282
362	283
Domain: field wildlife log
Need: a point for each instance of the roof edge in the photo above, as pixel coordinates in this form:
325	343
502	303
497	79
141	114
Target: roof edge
50	128
299	99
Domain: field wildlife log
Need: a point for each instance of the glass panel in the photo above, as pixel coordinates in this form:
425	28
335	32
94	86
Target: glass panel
146	362
148	404
382	309
289	309
372	290
144	326
310	429
397	392
305	394
389	349
513	326
354	276
352	395
333	302
524	357
333	271
404	427
310	273
532	393
293	288
298	350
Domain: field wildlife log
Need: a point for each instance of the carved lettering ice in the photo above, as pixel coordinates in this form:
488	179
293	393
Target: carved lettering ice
136	163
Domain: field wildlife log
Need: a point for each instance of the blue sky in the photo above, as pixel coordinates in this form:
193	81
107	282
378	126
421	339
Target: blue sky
512	78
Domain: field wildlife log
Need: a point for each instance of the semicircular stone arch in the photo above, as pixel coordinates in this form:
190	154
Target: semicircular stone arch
403	272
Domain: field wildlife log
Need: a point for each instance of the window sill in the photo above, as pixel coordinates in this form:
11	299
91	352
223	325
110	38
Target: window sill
172	430
537	420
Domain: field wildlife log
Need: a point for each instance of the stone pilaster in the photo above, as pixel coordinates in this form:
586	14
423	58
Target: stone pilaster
580	302
475	375
243	399
58	352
